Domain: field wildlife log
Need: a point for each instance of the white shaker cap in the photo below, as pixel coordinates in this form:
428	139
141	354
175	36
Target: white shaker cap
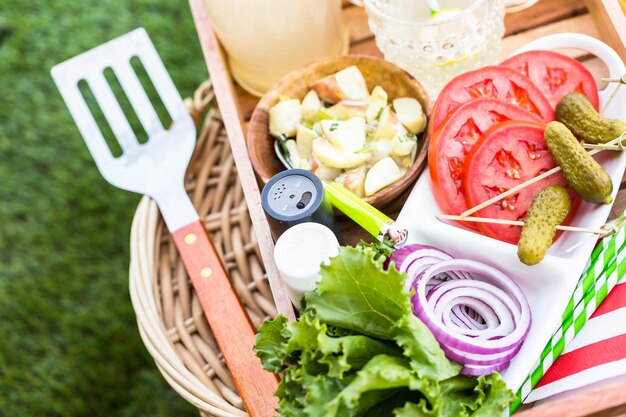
298	254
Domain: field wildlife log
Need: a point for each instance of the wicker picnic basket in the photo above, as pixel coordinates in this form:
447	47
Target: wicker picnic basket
170	319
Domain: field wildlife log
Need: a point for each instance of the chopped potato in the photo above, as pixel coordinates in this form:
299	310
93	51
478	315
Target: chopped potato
353	180
347	109
330	155
403	144
305	163
348	135
347	84
310	108
388	125
323	172
383	173
380	149
410	113
285	118
378	101
304	140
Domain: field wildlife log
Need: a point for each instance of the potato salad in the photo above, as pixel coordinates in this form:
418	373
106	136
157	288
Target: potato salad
342	132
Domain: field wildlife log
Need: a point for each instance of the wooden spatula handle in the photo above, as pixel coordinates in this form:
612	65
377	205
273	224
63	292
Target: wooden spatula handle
229	322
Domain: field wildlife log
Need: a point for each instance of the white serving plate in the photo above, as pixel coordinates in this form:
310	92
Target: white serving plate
548	285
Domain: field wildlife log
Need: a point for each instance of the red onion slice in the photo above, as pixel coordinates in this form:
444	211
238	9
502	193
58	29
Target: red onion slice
478	315
490	302
479	358
468	316
462	319
404	256
477	370
444	314
414	259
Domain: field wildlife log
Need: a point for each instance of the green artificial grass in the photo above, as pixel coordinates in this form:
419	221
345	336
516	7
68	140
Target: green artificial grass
69	344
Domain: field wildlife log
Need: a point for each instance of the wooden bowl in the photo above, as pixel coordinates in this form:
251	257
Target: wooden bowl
395	81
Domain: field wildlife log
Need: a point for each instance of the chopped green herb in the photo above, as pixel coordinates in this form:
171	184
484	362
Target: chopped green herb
326	114
367	149
282	142
282	138
408	137
334	127
380	251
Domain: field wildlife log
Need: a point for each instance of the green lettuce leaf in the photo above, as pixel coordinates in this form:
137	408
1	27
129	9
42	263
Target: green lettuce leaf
356	294
466	396
340	354
460	397
304	394
270	341
497	396
321	391
379	379
308	343
415	410
379	251
396	402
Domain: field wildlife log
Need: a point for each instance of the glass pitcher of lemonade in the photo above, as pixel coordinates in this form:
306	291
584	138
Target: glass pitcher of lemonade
266	39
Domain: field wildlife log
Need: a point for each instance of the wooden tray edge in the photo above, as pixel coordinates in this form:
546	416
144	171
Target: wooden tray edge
607	401
229	109
611	23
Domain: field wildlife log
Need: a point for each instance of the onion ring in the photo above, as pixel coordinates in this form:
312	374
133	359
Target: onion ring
480	321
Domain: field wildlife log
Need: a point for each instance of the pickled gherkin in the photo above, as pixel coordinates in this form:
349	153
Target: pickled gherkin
583	173
548	210
577	113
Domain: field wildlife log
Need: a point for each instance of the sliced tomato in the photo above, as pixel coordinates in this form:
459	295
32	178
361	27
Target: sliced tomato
507	155
496	82
555	75
454	139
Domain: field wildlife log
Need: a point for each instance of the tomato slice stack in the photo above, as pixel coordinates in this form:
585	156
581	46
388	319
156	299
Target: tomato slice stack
486	135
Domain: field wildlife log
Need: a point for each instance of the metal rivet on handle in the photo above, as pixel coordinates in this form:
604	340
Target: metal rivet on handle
190	238
206	272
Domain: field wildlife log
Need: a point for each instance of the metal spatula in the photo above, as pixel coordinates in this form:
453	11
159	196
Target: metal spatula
157	168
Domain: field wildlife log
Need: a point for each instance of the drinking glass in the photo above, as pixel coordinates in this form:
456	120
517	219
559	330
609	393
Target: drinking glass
266	39
434	50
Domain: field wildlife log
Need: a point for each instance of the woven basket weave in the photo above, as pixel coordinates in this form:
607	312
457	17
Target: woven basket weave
169	316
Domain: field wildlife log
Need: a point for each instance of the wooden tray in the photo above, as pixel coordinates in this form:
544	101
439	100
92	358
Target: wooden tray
546	17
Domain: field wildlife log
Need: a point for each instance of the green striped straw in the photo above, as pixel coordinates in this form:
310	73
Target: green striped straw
606	267
572	327
601	257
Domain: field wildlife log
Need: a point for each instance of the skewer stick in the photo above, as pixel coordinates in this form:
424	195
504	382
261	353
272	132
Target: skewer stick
518	223
605	147
531	181
621	81
507	193
610	228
